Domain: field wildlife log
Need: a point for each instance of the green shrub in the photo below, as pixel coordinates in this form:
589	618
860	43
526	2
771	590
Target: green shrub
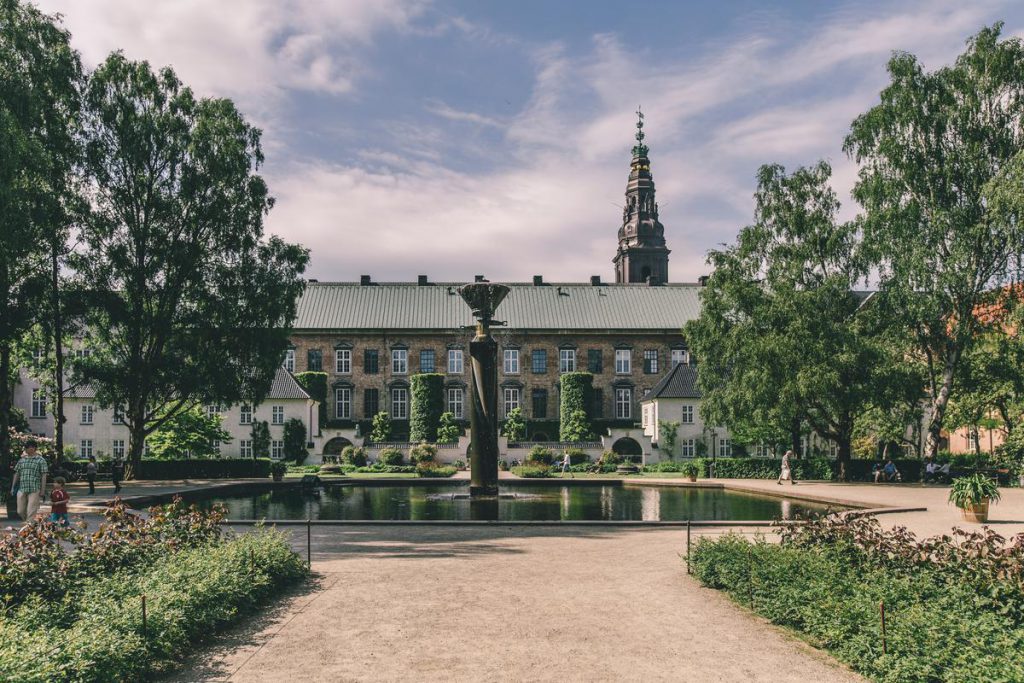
514	427
391	456
970	491
689	469
96	634
423	452
610	458
533	470
295	440
668	466
378	468
427	390
827	579
278	468
448	431
354	455
304	469
382	428
576	391
577	456
541	455
430	468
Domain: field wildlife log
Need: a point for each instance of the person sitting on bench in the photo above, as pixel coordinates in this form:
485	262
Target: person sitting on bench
891	473
930	471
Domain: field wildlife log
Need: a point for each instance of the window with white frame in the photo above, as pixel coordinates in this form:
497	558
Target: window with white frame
343	403
212	410
87	414
118	417
117	448
687	416
82	352
38	354
763	451
566	360
455	361
245	448
245	414
623	403
511	361
455	402
623	361
215	447
277	449
399	361
289	360
343	361
277	415
85	450
38	403
651	361
688	447
512	396
680	356
725	448
400	403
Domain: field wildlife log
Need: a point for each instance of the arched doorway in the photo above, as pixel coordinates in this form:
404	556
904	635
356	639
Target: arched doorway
336	445
540	436
627	447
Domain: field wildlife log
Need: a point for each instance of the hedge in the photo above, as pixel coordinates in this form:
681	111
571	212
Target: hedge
427	391
576	390
315	384
96	634
214	468
749	468
860	470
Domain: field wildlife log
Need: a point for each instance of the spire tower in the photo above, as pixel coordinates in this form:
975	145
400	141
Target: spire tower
642	255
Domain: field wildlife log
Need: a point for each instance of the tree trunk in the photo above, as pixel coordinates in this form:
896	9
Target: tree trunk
58	354
5	409
136	444
939	411
845	450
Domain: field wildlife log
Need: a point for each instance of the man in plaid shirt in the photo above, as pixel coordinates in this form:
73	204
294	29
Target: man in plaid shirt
29	481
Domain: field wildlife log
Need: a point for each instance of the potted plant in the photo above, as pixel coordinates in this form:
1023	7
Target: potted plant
277	469
972	495
690	470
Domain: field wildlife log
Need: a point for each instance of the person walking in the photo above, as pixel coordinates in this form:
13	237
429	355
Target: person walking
117	473
567	465
29	481
90	473
787	472
59	498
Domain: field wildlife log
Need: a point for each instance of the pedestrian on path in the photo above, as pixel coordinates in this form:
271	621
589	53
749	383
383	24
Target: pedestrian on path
787	472
117	473
29	481
90	473
59	503
567	465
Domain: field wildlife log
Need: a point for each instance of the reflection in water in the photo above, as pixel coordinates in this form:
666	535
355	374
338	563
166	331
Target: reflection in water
530	503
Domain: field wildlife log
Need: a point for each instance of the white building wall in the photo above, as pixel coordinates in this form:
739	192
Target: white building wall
672	410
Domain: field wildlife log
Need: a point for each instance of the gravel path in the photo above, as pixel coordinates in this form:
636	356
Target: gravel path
504	603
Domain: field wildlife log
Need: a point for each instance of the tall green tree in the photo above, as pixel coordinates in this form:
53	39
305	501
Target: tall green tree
782	337
39	75
189	433
190	302
941	172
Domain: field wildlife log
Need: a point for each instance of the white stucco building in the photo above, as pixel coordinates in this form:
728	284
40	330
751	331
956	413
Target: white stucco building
92	430
676	398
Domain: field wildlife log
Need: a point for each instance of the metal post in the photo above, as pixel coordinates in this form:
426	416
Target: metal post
881	609
688	570
309	545
145	635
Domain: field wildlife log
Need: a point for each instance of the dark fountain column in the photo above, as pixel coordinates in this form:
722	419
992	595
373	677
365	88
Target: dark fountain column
483	298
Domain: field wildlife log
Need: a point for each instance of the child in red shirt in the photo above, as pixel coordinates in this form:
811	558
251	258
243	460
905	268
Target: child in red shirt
59	503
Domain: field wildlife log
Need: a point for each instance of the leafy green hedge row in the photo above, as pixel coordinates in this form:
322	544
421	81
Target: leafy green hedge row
748	468
196	468
936	630
96	635
427	390
576	389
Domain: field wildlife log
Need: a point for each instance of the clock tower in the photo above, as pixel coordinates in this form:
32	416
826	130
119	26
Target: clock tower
642	255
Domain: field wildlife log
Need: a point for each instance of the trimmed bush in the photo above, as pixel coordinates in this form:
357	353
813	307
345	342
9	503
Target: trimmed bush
378	468
514	427
295	440
423	452
315	384
576	390
429	468
382	428
391	456
427	391
214	468
354	455
448	431
540	454
577	456
532	471
757	468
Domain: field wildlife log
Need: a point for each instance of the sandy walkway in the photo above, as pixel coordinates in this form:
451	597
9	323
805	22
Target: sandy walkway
508	604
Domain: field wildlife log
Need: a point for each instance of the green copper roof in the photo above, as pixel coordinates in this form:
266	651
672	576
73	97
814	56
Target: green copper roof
555	306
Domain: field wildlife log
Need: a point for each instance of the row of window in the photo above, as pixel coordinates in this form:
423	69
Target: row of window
88	411
246	414
117	448
689	448
510	357
455	402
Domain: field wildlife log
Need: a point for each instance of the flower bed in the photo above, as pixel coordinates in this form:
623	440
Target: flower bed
954	605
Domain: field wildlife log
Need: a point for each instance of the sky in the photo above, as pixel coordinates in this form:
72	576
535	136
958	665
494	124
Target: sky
408	137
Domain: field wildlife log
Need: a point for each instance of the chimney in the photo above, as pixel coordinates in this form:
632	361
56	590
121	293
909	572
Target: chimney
312	279
364	280
538	280
421	280
478	278
702	281
595	280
